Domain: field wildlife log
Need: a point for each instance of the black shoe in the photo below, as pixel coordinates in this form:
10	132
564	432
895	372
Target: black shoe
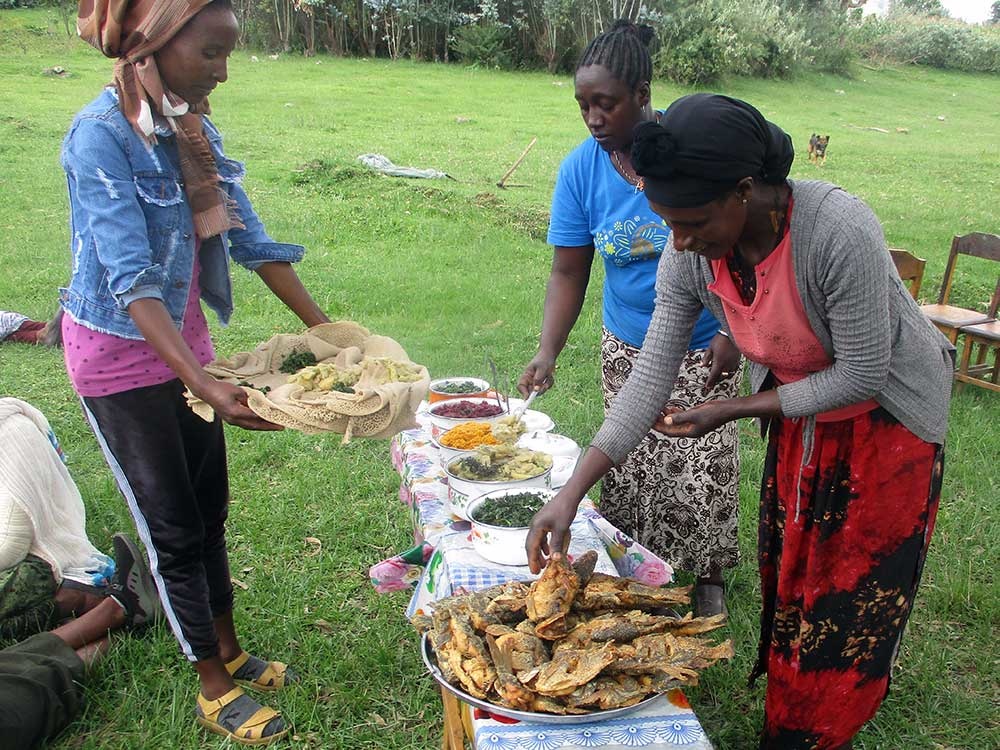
710	600
132	585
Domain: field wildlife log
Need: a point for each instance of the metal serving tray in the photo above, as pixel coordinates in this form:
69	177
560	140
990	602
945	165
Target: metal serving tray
430	661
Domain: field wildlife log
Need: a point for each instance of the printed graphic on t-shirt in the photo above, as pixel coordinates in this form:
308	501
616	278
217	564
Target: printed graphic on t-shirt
631	240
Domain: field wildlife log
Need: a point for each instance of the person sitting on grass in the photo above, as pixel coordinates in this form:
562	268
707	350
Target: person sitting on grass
16	328
156	212
49	570
42	678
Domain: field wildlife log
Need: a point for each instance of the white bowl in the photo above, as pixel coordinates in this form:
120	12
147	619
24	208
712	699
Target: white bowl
549	442
443	424
462	491
503	545
437	395
448	454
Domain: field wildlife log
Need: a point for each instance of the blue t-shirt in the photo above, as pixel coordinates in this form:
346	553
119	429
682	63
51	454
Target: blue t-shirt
593	203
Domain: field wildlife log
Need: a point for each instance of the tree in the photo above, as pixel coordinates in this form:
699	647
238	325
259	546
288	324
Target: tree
922	7
995	13
67	13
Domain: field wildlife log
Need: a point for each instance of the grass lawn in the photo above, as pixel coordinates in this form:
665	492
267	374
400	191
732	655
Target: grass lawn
456	272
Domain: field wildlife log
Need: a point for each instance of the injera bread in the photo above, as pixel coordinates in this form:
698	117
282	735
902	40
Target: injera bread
373	411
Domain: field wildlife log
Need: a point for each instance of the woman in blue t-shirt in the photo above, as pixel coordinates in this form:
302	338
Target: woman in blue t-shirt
678	497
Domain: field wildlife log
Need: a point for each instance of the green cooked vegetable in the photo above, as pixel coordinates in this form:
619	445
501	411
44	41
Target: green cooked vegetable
458	386
510	511
263	389
296	361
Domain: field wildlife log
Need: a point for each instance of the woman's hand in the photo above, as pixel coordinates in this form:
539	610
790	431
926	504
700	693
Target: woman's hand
538	375
230	403
549	532
695	422
722	358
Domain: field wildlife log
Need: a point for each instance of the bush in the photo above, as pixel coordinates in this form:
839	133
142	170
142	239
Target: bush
827	27
762	38
938	42
696	60
703	41
484	46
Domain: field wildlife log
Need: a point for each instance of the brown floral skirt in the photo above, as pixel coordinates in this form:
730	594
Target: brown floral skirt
842	540
678	497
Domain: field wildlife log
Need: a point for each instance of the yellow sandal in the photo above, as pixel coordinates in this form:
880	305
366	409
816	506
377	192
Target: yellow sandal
257	674
242	719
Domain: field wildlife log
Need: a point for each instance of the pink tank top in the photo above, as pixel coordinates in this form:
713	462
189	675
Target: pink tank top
100	364
774	330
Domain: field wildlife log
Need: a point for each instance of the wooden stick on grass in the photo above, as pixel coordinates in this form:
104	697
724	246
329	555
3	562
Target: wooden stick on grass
516	164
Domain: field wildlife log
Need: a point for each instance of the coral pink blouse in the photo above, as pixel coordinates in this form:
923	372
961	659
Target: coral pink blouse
773	330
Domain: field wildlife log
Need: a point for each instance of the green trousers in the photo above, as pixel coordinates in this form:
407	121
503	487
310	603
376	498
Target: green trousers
40	690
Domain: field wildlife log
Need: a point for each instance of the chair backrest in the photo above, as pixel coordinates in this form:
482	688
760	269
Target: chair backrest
995	302
910	269
977	244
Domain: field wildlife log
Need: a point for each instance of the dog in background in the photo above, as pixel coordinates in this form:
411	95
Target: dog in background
817	149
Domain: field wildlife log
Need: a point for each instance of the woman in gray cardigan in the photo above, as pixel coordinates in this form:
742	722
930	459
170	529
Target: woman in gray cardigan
851	382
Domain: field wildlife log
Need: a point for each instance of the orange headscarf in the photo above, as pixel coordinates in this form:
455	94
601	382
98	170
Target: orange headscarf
131	31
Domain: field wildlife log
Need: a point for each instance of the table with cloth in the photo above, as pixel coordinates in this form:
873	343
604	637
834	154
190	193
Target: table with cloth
443	562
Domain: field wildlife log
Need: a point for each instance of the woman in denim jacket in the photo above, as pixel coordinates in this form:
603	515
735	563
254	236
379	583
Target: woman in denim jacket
156	212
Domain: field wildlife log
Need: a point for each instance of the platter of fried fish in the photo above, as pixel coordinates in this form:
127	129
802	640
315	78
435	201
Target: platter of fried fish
574	646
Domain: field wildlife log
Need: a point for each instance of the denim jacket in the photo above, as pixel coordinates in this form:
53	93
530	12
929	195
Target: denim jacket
132	234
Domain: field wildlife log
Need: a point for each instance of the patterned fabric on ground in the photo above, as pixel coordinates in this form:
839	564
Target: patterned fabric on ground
677	497
10	322
27	599
838	584
375	409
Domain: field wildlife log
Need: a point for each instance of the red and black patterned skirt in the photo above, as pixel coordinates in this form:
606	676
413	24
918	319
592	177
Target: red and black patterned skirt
842	541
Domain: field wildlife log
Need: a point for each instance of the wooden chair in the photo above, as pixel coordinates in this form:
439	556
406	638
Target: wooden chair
910	269
948	318
984	337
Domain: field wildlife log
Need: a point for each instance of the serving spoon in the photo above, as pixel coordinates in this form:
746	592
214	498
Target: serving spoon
531	397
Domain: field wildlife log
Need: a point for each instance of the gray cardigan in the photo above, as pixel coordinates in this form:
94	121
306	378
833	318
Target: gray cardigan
881	344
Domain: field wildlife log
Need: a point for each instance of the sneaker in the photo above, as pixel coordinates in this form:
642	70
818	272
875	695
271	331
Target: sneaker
132	585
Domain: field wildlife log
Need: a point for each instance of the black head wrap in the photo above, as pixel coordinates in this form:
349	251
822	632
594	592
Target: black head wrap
703	145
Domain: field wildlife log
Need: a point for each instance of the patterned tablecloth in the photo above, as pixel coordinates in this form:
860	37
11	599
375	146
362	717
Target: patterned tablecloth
443	562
